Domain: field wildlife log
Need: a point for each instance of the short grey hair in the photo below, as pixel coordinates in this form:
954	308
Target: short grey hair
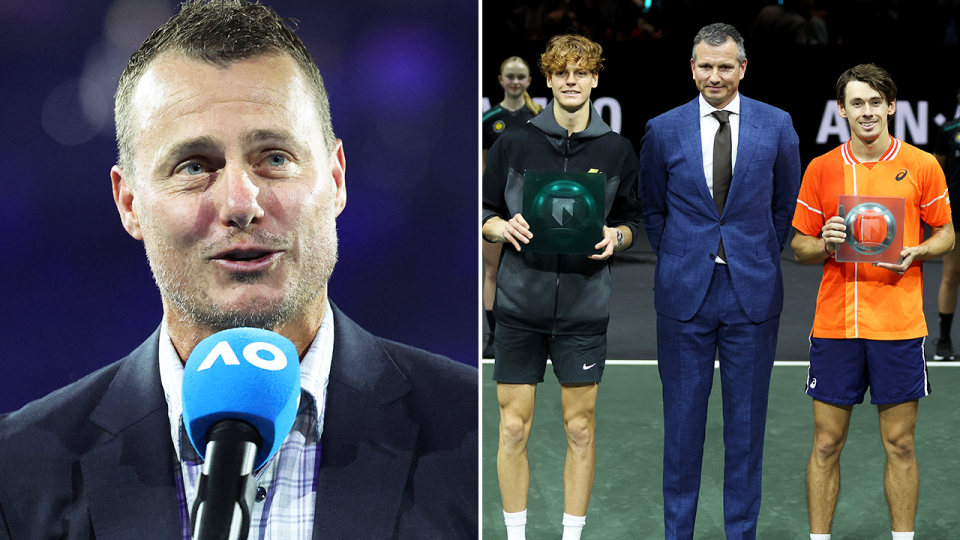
218	32
716	34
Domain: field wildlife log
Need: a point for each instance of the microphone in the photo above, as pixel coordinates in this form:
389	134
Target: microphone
241	389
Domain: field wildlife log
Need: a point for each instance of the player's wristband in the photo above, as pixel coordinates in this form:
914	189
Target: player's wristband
829	255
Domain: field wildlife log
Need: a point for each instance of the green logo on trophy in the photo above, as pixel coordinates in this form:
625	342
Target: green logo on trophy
565	211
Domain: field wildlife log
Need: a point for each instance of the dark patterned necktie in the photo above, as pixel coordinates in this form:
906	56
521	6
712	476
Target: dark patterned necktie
722	166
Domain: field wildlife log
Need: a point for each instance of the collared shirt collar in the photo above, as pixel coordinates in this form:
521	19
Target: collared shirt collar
706	108
314	375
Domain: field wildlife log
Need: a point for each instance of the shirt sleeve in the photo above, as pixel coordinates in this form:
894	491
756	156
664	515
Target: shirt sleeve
487	136
494	183
809	216
934	197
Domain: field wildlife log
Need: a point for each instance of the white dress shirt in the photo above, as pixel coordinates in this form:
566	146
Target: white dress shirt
708	132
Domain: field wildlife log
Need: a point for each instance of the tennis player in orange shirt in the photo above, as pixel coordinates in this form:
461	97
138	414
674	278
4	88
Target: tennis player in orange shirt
869	326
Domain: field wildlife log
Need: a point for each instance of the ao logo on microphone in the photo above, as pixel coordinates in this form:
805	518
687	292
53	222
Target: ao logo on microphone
263	389
251	353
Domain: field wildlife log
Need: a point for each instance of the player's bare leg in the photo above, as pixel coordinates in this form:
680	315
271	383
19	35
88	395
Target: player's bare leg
579	404
491	259
513	466
831	423
901	479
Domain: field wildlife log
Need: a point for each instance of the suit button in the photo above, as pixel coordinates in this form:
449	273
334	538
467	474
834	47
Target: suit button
712	256
722	222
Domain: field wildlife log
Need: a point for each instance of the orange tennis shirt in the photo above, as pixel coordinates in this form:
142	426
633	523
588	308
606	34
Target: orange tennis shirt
858	300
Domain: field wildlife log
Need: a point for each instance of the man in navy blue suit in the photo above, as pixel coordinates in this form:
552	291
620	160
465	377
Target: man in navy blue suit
719	178
230	174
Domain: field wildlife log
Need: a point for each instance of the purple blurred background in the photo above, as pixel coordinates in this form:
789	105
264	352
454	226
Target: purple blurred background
75	289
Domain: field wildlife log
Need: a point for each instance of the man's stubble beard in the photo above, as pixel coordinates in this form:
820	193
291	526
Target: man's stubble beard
306	279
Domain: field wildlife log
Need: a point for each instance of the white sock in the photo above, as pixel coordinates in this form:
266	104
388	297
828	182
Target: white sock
819	536
516	523
573	526
902	535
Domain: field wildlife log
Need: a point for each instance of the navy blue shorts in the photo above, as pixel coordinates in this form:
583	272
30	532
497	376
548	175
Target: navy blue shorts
842	369
520	357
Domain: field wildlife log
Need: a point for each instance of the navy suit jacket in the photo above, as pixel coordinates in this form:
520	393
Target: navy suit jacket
682	222
95	460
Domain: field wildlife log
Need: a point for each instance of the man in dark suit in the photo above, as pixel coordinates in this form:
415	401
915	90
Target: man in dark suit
230	174
95	459
719	178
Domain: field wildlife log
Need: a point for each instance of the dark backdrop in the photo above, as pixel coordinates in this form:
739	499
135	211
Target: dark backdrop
75	290
650	73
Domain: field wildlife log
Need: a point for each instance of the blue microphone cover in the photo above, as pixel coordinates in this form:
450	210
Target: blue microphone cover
245	374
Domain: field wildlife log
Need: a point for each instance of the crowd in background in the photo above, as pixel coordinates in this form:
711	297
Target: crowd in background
802	22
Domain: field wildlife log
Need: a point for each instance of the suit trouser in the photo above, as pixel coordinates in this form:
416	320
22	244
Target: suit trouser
686	352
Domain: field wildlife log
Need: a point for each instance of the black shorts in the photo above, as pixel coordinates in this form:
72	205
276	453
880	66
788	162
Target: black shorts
521	357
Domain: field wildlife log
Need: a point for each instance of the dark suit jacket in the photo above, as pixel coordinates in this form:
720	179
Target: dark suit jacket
682	222
95	460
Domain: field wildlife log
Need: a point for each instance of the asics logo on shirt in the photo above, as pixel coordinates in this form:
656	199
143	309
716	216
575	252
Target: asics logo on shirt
901	175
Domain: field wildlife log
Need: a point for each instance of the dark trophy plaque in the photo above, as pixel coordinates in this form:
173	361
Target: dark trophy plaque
874	228
564	210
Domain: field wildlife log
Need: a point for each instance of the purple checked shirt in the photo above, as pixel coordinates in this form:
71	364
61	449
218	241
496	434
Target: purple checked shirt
287	483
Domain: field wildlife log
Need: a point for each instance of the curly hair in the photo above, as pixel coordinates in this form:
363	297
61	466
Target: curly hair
567	48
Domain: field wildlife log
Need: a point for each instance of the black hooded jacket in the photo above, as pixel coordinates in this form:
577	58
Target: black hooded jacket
545	292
